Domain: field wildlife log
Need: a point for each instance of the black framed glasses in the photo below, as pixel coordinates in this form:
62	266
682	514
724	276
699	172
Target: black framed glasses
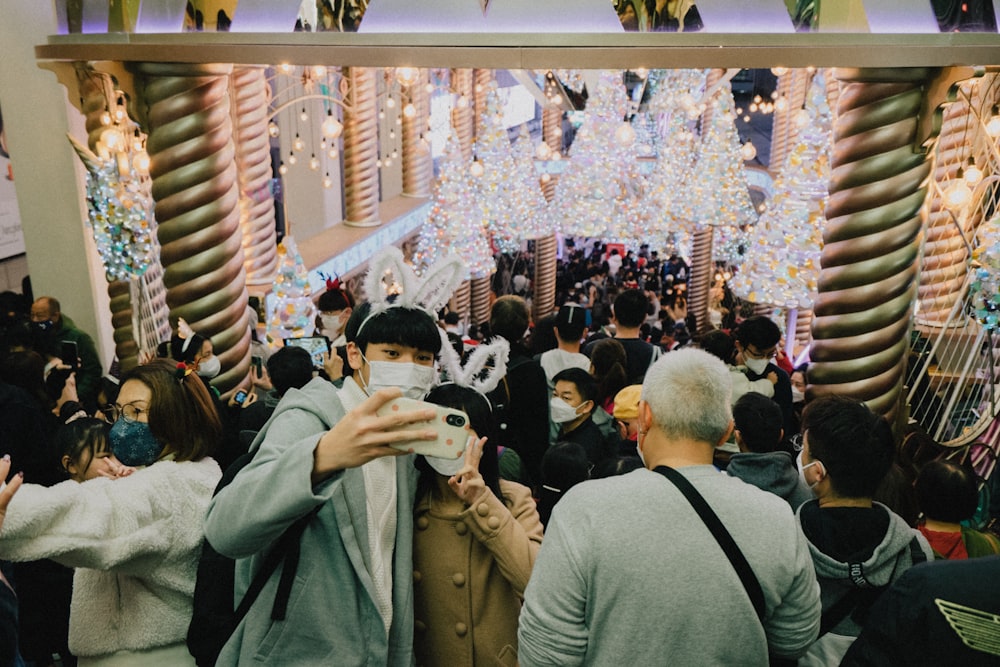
130	412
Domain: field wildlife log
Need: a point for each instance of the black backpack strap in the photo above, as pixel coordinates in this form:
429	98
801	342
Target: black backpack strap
722	536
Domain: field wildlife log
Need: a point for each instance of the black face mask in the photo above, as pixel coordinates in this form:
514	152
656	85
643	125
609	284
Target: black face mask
43	327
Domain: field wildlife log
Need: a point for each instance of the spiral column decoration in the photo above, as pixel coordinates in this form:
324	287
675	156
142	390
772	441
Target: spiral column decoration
253	164
702	265
872	238
463	115
96	90
196	190
480	298
944	266
482	79
793	86
361	182
460	301
544	285
418	169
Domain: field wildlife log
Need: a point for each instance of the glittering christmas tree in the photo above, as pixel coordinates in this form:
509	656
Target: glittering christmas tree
782	263
294	313
674	102
454	222
538	221
598	194
719	193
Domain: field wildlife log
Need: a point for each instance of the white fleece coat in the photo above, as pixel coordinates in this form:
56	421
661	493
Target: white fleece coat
135	543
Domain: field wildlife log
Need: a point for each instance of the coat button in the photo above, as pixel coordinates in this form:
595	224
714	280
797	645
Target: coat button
461	528
483	509
493	522
461	629
416	575
458	579
422	523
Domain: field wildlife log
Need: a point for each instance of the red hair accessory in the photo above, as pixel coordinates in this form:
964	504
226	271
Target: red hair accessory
181	372
331	283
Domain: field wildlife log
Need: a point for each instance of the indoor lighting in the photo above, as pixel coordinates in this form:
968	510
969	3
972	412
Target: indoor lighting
476	169
407	76
957	194
409	111
331	127
298	144
973	174
748	151
273	129
625	135
543	152
993	126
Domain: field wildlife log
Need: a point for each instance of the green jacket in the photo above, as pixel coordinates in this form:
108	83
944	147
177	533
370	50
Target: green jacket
88	378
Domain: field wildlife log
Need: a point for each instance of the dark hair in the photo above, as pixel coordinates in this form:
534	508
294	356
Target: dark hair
451	318
398	325
758	331
182	349
182	415
759	420
83	435
334	299
564	465
854	444
609	358
612	467
571	320
481	419
509	318
718	344
543	335
630	307
290	367
26	370
585	383
947	491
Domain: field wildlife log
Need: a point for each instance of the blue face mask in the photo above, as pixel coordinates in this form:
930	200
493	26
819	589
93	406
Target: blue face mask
133	443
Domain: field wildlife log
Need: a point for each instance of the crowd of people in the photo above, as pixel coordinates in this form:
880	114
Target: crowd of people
625	484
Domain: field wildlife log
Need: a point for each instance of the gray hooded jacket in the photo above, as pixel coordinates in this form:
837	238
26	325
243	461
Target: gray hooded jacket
774	472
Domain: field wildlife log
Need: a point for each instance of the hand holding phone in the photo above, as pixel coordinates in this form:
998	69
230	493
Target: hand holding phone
70	354
451	426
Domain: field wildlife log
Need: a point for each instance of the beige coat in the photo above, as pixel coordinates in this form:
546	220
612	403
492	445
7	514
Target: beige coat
470	571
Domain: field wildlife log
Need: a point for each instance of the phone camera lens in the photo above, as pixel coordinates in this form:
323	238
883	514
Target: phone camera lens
455	420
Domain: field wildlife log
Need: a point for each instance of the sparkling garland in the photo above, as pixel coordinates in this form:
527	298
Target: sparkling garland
119	207
984	291
783	262
538	221
294	312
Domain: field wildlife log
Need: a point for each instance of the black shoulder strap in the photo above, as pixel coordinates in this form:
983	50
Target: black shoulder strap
722	536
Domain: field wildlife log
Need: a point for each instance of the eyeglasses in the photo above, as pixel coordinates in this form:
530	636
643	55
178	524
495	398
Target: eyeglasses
754	354
129	412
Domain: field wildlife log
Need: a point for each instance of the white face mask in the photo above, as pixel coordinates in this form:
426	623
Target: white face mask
756	365
209	368
803	468
446	467
332	325
797	396
562	412
415	380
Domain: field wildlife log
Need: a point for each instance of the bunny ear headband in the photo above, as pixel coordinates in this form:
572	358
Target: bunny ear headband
471	374
405	289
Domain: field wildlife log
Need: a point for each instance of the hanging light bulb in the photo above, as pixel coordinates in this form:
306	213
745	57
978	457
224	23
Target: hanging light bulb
332	153
331	127
141	163
327	182
407	76
993	125
314	163
285	68
543	152
625	135
545	178
409	111
781	103
298	144
113	139
476	169
303	115
388	162
322	144
748	151
429	88
273	129
318	71
779	71
390	103
138	144
753	107
292	158
973	174
801	118
957	194
282	169
462	102
105	118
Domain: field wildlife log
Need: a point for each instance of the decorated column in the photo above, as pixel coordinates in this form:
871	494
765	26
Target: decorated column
463	115
480	299
544	284
418	168
361	185
253	161
868	281
196	190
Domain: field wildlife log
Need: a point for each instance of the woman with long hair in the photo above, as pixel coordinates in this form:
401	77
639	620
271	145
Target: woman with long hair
135	540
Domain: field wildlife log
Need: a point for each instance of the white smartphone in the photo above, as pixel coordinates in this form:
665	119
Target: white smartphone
452	428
